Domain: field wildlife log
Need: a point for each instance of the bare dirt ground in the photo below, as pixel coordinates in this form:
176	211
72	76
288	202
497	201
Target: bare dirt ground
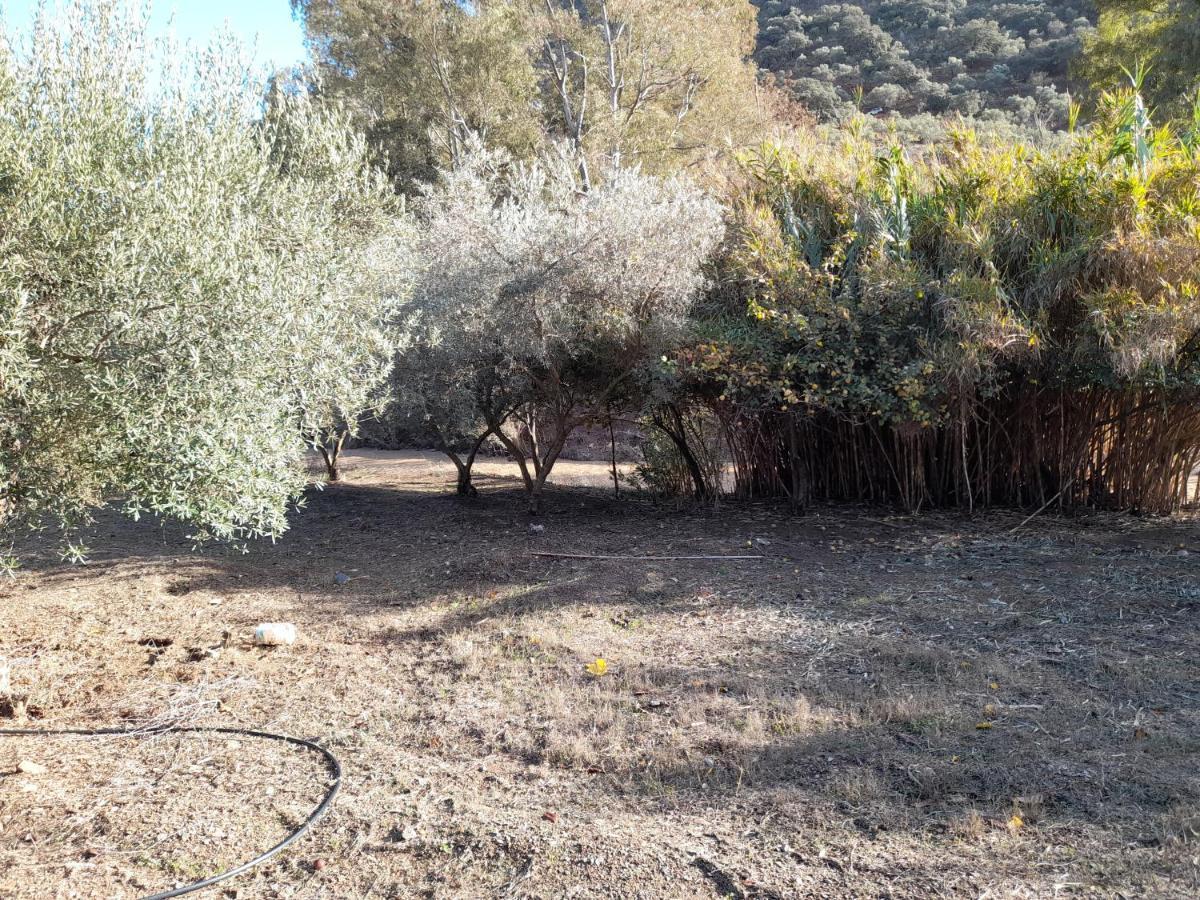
884	706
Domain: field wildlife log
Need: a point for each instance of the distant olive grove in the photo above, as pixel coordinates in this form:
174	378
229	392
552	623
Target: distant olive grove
495	225
1011	68
1007	64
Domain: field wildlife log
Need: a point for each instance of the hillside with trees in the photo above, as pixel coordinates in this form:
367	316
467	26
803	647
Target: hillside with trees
1008	64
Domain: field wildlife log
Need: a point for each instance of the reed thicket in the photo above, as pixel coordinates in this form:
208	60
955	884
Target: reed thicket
975	325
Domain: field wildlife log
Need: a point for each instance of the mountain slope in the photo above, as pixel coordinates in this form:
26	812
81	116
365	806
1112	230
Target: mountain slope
1007	63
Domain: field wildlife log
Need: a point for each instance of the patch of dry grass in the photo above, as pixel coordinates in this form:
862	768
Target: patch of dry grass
867	711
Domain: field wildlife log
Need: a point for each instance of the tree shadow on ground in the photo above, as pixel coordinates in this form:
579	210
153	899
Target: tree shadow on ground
921	677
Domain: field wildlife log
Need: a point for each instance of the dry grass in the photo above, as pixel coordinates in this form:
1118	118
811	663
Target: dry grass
867	712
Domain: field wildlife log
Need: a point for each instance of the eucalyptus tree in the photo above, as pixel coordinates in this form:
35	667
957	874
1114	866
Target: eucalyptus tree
421	75
663	85
189	285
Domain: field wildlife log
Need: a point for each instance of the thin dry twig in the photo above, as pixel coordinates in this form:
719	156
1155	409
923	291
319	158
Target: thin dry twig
1033	515
638	558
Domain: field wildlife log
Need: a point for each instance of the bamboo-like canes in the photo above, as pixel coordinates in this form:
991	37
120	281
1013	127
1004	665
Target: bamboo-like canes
1094	448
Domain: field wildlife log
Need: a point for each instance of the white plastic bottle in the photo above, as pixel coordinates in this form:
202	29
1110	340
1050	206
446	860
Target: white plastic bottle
275	634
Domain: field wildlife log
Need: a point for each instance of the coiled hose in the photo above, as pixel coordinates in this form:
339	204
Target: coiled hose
335	771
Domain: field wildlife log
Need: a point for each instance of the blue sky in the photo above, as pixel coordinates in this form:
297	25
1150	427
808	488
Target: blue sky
266	24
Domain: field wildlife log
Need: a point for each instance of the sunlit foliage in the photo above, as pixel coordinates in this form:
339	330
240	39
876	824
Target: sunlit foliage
186	279
1160	36
665	86
987	326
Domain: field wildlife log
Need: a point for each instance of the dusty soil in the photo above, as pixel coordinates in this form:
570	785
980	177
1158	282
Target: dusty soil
883	706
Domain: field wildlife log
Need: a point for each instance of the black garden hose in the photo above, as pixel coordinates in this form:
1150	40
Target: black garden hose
335	770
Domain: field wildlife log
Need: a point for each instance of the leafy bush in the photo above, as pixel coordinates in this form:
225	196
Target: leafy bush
541	299
662	470
1001	325
186	284
683	454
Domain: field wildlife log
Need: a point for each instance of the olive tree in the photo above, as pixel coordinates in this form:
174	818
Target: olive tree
553	296
186	287
449	392
353	266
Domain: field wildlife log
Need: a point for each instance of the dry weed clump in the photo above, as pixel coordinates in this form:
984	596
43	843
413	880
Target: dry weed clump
862	789
1180	825
970	827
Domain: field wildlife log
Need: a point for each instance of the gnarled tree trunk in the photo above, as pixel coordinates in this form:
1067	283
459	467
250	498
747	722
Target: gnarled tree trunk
464	466
332	455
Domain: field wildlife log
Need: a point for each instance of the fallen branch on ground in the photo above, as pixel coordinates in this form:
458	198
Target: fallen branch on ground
1042	508
645	558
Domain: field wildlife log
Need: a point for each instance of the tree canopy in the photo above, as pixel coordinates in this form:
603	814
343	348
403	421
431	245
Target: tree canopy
1162	37
186	282
420	76
540	299
664	86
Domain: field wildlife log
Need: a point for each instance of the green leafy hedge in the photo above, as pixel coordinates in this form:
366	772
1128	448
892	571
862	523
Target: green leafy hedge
986	324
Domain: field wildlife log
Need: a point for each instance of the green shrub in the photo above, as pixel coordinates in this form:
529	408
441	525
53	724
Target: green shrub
983	325
665	470
184	290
